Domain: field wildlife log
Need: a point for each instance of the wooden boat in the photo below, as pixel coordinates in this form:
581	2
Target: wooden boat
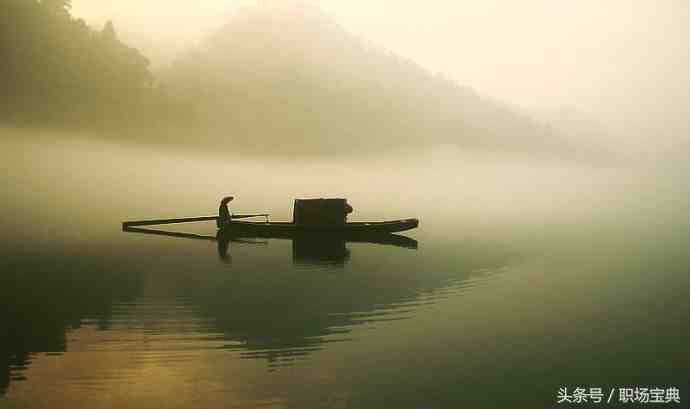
310	239
323	218
290	229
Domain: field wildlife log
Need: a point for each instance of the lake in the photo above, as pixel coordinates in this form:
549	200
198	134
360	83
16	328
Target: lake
529	274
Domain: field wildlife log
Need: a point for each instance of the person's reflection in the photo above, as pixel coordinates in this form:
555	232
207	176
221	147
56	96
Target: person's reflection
224	248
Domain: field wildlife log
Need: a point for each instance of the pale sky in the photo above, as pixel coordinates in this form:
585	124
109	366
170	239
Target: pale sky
621	60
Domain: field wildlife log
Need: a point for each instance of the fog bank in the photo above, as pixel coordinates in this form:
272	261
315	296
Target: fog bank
621	63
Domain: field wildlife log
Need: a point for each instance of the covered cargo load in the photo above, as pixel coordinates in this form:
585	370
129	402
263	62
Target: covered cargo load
320	212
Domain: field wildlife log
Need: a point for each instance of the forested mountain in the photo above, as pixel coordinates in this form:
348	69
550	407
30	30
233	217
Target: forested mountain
290	78
278	78
57	70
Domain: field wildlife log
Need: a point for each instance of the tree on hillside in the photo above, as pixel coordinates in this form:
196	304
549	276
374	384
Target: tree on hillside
108	32
57	6
55	68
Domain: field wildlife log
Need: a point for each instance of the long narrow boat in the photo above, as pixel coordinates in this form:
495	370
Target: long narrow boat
289	229
311	217
227	234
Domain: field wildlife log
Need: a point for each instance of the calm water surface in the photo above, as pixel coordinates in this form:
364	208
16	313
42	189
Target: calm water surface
528	275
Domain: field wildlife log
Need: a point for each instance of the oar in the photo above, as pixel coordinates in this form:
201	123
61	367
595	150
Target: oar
187	235
168	233
167	221
133	223
246	216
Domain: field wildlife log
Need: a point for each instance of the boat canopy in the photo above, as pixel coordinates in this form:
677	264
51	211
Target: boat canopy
319	212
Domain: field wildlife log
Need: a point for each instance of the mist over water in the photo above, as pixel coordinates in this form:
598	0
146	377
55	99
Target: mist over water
518	261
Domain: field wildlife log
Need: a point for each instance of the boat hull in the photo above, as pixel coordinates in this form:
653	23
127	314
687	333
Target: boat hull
288	229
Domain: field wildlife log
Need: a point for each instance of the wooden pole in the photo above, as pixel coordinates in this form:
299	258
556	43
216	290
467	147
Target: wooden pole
133	223
167	221
168	233
246	216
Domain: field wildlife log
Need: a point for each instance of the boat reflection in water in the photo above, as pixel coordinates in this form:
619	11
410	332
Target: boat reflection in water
266	310
329	250
260	307
283	315
318	249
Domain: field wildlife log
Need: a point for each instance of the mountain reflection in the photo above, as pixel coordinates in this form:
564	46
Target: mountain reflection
259	306
41	302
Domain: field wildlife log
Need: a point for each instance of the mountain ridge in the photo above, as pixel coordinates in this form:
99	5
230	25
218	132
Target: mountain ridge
290	77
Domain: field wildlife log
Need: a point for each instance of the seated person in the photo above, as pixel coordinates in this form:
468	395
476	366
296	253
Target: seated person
224	215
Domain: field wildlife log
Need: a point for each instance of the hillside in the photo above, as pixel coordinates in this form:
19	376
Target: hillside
56	70
289	78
